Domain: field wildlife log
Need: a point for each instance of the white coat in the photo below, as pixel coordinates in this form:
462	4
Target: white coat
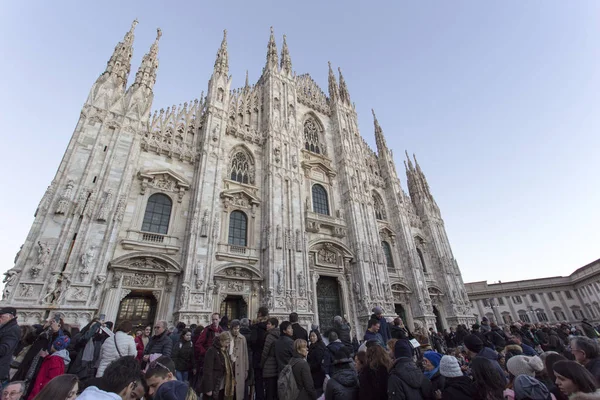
109	353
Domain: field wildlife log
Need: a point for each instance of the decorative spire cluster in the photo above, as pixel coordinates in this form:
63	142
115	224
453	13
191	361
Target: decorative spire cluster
119	63
286	60
344	94
272	57
417	183
333	87
146	74
222	61
379	138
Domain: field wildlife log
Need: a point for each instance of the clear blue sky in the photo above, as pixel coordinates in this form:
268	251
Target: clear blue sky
499	100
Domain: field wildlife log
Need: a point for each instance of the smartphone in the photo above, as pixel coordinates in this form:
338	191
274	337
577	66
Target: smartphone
102	317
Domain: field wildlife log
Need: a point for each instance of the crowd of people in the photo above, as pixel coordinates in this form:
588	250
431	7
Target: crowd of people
269	359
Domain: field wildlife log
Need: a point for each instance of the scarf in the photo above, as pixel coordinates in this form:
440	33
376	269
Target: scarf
229	379
430	374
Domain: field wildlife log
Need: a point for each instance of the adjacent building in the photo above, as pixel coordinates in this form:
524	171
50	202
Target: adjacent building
265	194
558	299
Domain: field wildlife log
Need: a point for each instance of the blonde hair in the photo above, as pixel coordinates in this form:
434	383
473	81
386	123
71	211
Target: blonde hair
298	344
224	336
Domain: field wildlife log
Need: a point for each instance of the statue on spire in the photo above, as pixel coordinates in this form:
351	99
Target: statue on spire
286	60
222	61
272	57
146	74
119	63
344	94
333	87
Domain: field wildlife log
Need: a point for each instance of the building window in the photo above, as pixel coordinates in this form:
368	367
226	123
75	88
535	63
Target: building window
422	259
311	136
507	318
379	207
577	313
387	250
568	294
517	299
319	197
158	214
533	298
238	228
590	310
240	169
486	303
541	315
550	296
559	314
523	316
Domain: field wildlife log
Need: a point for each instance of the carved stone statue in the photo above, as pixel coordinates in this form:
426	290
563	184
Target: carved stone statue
87	260
301	284
105	208
43	254
26	290
204	224
278	237
279	282
51	289
185	292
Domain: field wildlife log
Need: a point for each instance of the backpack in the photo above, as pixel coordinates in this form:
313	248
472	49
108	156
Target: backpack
287	388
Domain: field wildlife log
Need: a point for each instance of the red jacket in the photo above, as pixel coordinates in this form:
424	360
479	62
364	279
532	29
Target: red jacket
139	346
52	366
205	340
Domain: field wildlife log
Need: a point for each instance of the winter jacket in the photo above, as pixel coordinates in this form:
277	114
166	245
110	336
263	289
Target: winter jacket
373	383
160	344
459	388
139	346
332	348
555	343
437	381
384	328
407	382
497	337
593	366
375	336
343	332
109	353
10	335
589	330
492	356
301	371
205	340
528	350
183	356
93	393
257	342
268	362
343	384
398	332
299	332
284	351
316	354
214	368
247	333
52	366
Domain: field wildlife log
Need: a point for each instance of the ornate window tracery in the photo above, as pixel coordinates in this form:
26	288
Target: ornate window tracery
320	202
238	228
157	214
312	137
241	168
379	207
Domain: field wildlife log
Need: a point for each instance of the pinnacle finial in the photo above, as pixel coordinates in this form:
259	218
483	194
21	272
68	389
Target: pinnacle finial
344	94
146	74
410	166
246	85
272	57
158	34
222	61
333	87
286	60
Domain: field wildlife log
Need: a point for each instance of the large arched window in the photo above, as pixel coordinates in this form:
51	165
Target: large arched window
319	197
311	136
422	259
379	207
241	168
389	260
158	214
238	228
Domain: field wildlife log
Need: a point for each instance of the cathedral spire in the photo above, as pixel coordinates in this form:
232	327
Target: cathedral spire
119	63
272	58
146	74
410	166
333	87
222	61
379	138
286	60
246	85
344	94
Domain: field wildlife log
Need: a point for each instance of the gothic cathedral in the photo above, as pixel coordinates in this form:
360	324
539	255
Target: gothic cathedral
261	195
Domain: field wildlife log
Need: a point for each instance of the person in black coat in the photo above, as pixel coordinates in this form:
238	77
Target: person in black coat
316	354
343	384
342	328
384	328
301	371
10	335
334	345
160	343
406	381
456	385
284	346
373	376
398	330
299	331
258	334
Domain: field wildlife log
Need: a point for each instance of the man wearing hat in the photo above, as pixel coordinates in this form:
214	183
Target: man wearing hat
475	348
10	335
384	328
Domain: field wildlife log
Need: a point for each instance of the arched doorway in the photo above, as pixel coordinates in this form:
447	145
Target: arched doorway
328	301
138	307
234	307
400	311
438	320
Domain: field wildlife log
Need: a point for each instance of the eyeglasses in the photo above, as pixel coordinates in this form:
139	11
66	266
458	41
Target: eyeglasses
12	395
155	364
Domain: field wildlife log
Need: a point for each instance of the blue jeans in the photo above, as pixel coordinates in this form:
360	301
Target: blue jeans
182	375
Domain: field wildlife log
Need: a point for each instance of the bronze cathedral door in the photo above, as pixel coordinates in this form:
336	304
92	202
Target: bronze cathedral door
328	301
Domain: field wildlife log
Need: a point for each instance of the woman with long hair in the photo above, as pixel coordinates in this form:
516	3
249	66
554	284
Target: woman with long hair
489	382
183	355
218	378
572	378
63	387
301	371
552	359
373	377
316	354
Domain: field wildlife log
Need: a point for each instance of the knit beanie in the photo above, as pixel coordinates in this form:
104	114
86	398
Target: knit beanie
403	348
433	357
473	343
449	367
61	343
524	365
171	390
527	387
